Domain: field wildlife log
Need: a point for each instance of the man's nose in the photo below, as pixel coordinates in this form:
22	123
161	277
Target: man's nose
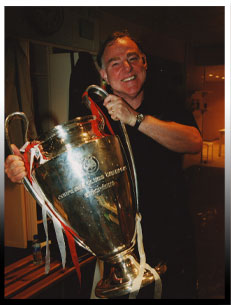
127	65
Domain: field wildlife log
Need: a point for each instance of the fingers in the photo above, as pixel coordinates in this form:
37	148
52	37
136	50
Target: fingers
119	110
14	166
109	102
17	178
15	150
113	104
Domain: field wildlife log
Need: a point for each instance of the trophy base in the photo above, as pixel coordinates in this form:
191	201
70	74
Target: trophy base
118	281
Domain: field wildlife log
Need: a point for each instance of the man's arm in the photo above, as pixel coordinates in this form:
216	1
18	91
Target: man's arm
174	136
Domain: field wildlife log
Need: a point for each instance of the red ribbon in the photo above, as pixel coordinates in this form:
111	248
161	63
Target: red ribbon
69	233
74	256
27	163
95	110
71	242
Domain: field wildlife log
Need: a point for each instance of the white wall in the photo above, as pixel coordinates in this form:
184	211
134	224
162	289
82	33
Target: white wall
59	79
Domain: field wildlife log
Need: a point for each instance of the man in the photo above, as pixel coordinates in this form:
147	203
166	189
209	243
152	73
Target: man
160	131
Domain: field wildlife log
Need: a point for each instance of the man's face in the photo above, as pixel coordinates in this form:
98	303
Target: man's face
124	67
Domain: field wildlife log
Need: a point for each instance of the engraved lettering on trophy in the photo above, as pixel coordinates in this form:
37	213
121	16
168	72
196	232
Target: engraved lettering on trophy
99	189
115	171
89	182
71	191
95	179
65	194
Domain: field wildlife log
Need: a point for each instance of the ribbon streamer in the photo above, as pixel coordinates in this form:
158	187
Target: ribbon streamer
47	258
98	275
138	281
47	208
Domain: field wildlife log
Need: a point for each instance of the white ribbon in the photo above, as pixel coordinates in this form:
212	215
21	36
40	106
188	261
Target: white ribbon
47	258
158	284
22	149
60	239
138	280
57	226
35	153
98	275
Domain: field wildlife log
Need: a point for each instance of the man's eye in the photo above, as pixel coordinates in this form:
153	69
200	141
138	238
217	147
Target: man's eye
115	64
133	58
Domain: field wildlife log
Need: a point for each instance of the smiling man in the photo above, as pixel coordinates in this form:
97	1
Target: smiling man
123	67
161	130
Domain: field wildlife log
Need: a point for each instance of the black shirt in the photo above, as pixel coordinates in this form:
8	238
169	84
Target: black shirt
166	222
162	192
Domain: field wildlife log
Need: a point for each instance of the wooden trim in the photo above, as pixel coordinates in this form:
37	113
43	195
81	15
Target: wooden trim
31	215
23	279
15	230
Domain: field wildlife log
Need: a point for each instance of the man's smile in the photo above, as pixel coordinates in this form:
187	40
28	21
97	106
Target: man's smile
129	78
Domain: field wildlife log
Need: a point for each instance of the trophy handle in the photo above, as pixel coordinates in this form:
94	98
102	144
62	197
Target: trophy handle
22	116
10	117
102	93
25	180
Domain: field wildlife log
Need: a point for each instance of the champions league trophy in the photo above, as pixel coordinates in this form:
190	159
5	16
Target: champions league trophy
87	182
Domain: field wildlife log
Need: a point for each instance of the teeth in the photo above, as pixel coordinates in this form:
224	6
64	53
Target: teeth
129	78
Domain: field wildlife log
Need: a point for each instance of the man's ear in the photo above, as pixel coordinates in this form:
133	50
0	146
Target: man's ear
103	74
144	60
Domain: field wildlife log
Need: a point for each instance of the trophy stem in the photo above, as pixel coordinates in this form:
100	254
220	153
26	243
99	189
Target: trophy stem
118	279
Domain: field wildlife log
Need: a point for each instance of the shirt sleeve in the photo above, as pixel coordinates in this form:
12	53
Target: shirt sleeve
175	109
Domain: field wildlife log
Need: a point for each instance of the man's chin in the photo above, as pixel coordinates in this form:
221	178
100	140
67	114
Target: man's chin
128	93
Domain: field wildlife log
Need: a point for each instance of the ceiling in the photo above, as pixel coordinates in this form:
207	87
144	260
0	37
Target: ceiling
201	25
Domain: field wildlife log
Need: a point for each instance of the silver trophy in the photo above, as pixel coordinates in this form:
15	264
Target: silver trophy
89	180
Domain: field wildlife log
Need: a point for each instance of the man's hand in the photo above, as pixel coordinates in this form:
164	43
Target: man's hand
14	166
119	110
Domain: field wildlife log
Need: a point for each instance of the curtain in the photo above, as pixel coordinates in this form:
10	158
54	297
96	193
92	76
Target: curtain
83	74
18	90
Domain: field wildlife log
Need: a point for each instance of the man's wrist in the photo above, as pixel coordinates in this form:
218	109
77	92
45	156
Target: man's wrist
139	119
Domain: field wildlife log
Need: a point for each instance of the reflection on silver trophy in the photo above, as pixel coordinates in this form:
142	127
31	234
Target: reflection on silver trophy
87	178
